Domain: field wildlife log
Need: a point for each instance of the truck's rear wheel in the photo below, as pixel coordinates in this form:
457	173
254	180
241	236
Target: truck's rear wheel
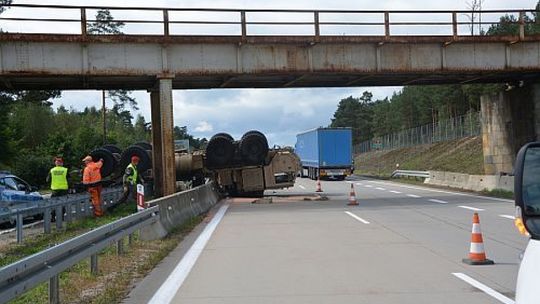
220	151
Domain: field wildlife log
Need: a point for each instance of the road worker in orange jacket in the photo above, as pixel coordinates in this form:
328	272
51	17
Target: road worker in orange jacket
92	180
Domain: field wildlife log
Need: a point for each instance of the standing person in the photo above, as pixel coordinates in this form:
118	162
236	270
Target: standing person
58	178
92	180
130	180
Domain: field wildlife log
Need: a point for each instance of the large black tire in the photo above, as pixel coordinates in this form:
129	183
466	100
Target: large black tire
109	161
219	151
145	160
113	148
223	134
254	148
144	145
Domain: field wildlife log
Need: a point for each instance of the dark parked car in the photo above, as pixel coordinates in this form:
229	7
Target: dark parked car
15	193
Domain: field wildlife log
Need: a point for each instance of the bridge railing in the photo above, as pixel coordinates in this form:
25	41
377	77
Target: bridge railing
34	18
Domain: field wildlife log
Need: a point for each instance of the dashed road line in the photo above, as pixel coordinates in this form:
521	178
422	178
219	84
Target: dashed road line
368	186
414	195
359	184
441	191
507	216
304	188
486	289
379	188
357	217
396	192
438	201
471	208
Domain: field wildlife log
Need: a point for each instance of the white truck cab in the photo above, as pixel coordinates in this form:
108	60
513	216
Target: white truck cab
527	201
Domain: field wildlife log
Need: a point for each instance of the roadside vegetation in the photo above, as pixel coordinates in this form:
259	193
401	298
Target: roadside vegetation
462	155
117	273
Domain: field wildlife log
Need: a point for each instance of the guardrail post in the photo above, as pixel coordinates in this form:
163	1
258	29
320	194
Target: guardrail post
68	212
59	215
166	23
244	25
317	26
386	24
83	21
521	25
120	245
454	25
94	264
19	228
130	239
54	290
47	221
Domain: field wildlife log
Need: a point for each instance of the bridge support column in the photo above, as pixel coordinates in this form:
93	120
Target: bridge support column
508	122
162	138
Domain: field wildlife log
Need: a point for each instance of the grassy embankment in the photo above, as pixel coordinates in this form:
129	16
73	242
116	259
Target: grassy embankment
117	273
462	155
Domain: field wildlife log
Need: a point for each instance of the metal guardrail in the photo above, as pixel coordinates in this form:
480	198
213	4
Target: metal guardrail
245	20
399	173
19	277
73	206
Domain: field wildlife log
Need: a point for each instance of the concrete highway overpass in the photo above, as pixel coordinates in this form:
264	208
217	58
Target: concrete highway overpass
167	60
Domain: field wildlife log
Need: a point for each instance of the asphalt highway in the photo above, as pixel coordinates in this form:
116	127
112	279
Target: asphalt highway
402	244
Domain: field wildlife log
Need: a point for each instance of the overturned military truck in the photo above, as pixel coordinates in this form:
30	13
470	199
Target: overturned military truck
245	167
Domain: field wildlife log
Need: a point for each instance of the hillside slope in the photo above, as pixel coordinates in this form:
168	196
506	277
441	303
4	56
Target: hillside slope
462	155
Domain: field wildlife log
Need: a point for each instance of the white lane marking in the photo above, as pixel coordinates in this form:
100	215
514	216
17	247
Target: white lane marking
304	188
396	192
359	184
488	290
441	191
414	195
471	208
168	289
369	186
508	216
446	192
357	217
438	201
379	188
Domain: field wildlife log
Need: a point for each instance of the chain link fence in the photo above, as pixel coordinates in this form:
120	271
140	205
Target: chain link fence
448	129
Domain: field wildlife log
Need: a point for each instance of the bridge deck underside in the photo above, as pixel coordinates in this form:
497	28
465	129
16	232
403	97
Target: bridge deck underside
78	82
97	62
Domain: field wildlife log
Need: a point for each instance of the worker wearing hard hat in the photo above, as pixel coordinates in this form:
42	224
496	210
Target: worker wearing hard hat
92	180
130	180
58	178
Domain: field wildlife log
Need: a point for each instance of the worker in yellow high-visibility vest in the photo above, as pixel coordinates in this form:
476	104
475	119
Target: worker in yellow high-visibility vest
58	178
130	180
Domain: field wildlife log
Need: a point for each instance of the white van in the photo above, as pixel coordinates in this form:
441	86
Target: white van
527	193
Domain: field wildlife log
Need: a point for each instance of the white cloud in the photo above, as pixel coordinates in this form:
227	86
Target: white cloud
204	126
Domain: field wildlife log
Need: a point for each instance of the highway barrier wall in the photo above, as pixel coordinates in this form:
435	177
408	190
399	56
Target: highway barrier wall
176	209
470	182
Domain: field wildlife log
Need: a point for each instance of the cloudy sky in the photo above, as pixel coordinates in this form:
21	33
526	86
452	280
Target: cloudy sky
279	113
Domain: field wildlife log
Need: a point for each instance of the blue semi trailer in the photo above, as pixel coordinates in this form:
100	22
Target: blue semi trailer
325	153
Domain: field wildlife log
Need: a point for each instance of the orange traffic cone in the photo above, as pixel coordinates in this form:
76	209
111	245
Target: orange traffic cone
477	254
352	197
319	188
